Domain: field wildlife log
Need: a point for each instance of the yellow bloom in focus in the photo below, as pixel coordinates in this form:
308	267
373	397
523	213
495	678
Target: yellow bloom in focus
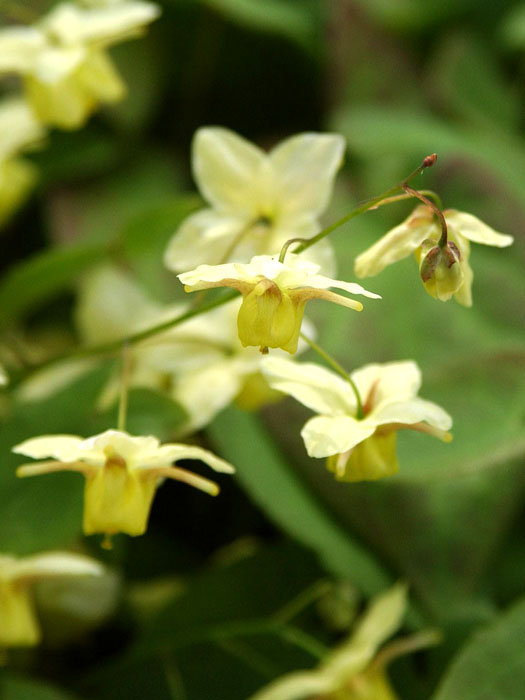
419	234
257	200
18	130
354	670
358	449
18	622
63	62
274	296
122	474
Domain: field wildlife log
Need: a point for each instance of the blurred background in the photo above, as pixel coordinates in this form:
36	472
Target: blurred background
400	79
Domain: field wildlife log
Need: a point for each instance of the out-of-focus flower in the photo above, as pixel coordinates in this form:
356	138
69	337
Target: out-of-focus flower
354	670
419	234
63	62
200	363
274	296
18	130
122	474
18	622
358	449
257	200
4	379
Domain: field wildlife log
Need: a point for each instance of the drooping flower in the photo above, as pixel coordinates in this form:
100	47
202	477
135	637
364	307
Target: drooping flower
18	130
257	200
18	622
122	474
354	670
451	274
358	448
274	296
62	59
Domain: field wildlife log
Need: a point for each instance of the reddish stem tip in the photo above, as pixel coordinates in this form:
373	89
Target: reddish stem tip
429	161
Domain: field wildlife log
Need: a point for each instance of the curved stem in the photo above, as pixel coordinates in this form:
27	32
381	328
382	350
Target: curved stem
113	347
288	243
368	204
124	384
337	367
419	195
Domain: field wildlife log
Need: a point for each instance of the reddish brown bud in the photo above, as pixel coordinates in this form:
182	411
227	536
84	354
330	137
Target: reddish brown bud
429	161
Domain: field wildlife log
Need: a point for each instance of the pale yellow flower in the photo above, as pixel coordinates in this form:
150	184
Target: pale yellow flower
274	296
419	234
352	671
122	474
62	59
358	449
257	200
4	379
200	363
18	130
18	622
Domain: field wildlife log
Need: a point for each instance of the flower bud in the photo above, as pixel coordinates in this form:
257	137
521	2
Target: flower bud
440	269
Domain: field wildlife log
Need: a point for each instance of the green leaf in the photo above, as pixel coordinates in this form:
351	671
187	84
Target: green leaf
264	472
33	282
45	511
14	688
297	21
490	666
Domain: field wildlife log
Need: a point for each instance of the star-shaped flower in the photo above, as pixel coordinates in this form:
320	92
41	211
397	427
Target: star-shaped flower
257	200
358	448
274	296
122	474
63	62
420	234
354	670
18	130
18	622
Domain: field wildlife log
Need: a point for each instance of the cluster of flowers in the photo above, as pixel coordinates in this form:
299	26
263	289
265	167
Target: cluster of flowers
258	202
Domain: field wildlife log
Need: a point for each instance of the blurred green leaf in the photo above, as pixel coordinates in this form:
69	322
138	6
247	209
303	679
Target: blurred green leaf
264	472
33	282
294	20
513	27
46	511
490	666
466	79
13	688
372	135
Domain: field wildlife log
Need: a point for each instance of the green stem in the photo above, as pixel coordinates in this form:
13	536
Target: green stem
124	385
113	347
419	195
303	600
365	206
288	243
337	367
406	195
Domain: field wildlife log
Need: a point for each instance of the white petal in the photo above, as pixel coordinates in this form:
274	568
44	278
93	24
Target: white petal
207	390
464	294
413	411
475	230
133	449
226	168
397	243
55	64
111	306
55	564
310	384
392	381
18	126
304	169
71	24
19	46
63	447
174	453
322	282
331	435
203	238
294	686
382	618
